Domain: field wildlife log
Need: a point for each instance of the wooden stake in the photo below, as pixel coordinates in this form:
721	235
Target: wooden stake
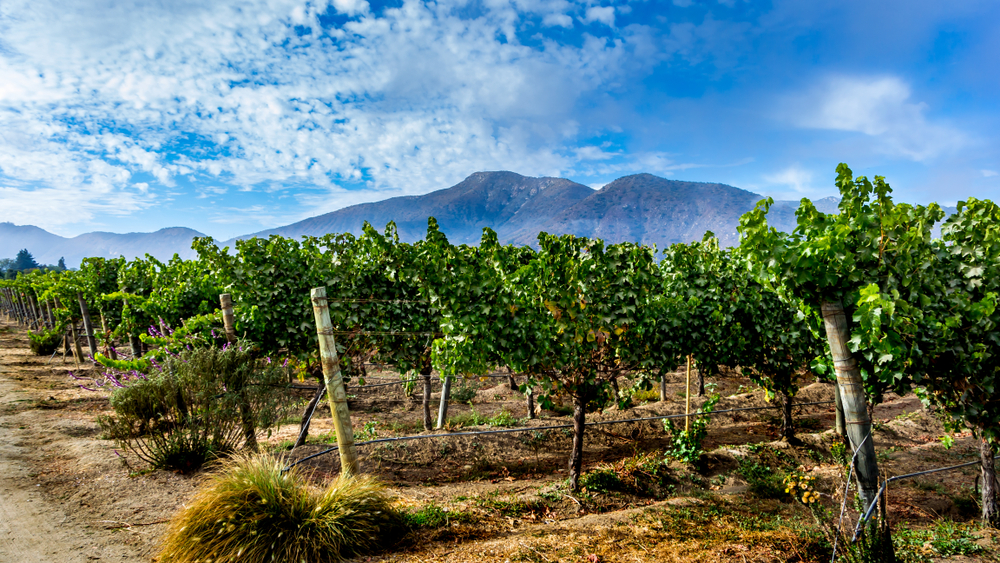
687	397
246	415
228	317
443	408
334	383
88	327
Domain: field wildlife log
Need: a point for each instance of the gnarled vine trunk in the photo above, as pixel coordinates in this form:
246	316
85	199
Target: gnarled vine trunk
991	504
576	455
425	373
787	425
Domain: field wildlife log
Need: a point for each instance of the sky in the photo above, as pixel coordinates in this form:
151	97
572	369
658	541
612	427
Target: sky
230	117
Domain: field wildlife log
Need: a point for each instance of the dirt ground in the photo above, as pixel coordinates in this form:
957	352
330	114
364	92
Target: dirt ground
67	495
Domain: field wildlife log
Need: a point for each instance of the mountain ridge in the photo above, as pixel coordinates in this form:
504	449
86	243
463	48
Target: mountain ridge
640	208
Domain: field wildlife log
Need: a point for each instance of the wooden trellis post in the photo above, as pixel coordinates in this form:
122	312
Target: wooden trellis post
852	395
334	383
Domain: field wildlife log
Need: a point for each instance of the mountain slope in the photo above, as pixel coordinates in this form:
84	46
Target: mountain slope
652	210
499	200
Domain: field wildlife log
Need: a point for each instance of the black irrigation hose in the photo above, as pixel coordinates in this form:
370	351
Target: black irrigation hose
539	428
871	509
316	388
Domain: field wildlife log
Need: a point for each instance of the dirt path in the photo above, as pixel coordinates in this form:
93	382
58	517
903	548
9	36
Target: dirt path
39	520
32	528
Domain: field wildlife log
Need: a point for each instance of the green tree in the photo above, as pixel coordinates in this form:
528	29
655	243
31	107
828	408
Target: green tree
24	261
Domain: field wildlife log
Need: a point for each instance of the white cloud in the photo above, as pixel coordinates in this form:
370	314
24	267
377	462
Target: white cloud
557	20
793	179
880	108
602	14
988	173
100	98
350	7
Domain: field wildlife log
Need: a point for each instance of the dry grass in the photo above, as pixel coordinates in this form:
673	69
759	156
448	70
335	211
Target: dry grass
249	512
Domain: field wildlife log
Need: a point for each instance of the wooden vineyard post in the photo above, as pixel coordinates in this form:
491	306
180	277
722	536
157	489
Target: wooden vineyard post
228	317
24	310
246	415
48	311
88	327
443	408
687	397
36	312
663	385
108	340
334	381
852	395
77	351
425	374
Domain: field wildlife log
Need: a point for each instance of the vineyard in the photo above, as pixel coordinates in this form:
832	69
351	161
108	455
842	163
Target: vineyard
660	397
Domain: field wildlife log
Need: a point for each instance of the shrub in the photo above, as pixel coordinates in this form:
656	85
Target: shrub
45	342
252	512
196	406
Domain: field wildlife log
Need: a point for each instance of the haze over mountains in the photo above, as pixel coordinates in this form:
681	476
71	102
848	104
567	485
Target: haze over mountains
639	208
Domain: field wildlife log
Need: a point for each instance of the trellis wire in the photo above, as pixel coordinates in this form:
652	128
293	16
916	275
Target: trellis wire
540	428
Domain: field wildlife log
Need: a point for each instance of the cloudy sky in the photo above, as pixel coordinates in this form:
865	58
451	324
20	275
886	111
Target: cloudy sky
232	116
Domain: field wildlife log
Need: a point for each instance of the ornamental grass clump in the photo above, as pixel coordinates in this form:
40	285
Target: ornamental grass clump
250	511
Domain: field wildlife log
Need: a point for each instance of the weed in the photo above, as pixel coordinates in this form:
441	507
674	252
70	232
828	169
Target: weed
252	512
686	444
838	451
431	516
601	481
504	418
762	480
45	342
510	507
463	393
930	487
367	433
945	539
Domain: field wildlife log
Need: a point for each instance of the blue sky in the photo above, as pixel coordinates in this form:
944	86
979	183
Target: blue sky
234	116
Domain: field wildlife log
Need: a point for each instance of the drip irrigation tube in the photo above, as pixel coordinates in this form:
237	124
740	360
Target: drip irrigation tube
539	428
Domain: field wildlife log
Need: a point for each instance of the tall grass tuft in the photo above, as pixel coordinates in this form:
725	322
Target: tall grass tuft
251	512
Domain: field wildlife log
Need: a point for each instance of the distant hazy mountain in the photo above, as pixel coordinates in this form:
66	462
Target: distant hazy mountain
639	208
47	248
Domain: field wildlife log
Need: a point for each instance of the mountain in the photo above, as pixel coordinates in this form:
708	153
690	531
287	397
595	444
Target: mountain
640	208
47	248
652	210
503	201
